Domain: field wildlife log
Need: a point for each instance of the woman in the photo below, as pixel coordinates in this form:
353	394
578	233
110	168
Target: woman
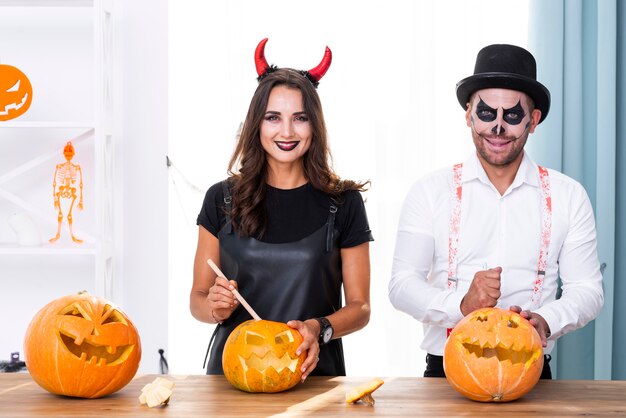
284	228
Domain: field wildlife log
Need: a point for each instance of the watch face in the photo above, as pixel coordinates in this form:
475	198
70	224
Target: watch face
328	334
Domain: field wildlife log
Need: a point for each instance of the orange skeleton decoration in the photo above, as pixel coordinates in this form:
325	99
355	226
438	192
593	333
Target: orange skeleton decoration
64	187
16	92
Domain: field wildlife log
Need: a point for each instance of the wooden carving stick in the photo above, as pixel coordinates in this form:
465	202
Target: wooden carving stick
240	298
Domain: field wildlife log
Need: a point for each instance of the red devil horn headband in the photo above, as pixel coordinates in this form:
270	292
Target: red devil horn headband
314	74
259	58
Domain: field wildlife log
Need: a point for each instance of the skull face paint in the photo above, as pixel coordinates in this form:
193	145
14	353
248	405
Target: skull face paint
512	116
501	121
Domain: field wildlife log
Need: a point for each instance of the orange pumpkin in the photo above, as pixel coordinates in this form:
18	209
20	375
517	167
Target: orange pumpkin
16	92
493	355
83	346
260	356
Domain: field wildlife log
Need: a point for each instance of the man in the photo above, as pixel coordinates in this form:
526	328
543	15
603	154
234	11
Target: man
497	230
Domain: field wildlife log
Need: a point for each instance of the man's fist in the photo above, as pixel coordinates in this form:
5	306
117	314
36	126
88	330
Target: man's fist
484	291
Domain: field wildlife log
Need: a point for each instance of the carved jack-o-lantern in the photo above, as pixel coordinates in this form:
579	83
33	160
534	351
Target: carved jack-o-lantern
260	356
80	345
493	355
16	92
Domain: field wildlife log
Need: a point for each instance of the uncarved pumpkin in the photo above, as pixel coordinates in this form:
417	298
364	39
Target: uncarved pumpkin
260	356
16	92
493	355
83	346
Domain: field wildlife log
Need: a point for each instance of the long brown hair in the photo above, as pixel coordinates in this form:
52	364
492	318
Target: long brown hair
248	164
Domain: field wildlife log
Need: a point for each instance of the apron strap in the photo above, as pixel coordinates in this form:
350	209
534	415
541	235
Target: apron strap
227	201
330	229
208	349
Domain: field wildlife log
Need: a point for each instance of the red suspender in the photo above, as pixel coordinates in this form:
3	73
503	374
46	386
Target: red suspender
455	228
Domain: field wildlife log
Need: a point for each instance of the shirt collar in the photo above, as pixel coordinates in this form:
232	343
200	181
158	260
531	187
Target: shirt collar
527	172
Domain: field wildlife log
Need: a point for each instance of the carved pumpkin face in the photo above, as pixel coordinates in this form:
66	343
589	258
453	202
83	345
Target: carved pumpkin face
82	346
16	92
493	355
260	356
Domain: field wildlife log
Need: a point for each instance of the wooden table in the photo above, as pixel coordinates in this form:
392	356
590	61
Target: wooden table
212	396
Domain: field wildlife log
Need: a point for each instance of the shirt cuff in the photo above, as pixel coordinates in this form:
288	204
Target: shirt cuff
453	307
551	320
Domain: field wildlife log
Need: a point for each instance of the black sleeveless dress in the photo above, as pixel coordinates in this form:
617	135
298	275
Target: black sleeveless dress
284	281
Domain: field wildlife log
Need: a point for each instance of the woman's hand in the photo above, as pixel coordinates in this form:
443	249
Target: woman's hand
537	321
221	300
310	332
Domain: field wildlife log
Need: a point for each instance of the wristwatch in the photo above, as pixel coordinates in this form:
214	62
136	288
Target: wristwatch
326	330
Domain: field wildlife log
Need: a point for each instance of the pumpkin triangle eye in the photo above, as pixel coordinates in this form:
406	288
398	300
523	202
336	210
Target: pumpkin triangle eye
253	338
285	337
74	312
15	87
112	315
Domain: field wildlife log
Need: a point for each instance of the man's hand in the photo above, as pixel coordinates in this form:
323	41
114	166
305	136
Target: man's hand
537	321
484	291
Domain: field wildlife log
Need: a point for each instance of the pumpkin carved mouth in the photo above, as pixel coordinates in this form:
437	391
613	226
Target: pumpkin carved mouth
500	352
270	361
483	348
102	355
13	106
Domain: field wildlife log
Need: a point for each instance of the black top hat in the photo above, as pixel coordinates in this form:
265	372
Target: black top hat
508	67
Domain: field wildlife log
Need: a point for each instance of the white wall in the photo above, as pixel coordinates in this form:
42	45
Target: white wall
390	108
143	276
392	75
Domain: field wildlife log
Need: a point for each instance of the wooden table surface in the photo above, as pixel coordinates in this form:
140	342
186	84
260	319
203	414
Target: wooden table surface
212	396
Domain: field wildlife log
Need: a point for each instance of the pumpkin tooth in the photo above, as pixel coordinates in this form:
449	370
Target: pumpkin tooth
111	349
102	362
79	340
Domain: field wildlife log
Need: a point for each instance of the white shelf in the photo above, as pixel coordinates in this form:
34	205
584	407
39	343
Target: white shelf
47	3
46	124
48	249
93	124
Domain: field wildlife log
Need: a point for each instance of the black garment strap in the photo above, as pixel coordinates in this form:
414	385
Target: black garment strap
227	200
206	356
331	228
163	366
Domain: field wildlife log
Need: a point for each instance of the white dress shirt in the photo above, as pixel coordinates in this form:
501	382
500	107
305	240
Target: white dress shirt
496	231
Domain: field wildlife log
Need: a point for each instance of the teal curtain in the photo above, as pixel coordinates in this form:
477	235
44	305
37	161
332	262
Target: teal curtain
580	46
